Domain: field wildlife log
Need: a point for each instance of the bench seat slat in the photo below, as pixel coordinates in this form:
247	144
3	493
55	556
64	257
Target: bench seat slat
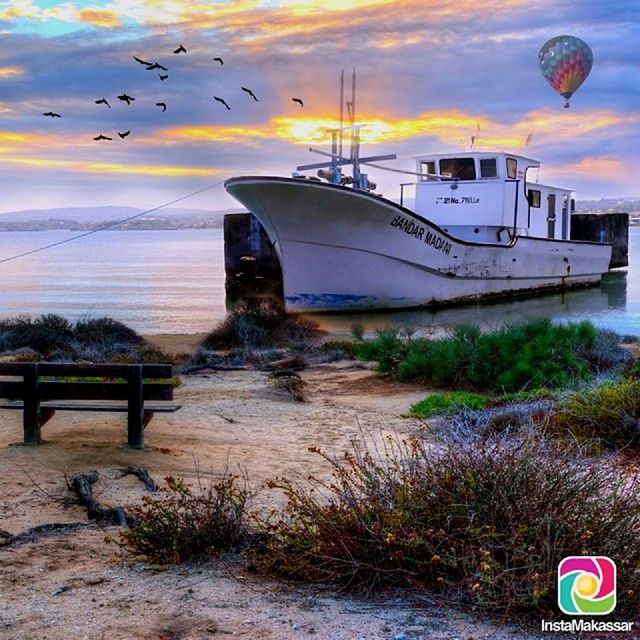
119	408
101	391
107	370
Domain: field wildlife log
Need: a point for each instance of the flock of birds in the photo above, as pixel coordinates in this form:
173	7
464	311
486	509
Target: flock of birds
155	66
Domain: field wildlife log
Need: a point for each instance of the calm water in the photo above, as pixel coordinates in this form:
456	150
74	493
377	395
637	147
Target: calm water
173	282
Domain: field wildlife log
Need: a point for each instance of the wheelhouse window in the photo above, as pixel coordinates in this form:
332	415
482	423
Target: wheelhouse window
512	168
460	168
534	198
428	167
488	168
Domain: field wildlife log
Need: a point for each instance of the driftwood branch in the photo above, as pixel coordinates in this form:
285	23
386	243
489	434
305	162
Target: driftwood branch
82	486
142	475
41	530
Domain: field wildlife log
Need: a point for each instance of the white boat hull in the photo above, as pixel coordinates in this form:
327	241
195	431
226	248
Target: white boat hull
342	249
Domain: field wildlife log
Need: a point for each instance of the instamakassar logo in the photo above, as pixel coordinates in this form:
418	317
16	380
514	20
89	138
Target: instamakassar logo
587	585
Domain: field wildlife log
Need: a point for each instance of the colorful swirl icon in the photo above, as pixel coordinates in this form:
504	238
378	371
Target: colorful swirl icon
587	585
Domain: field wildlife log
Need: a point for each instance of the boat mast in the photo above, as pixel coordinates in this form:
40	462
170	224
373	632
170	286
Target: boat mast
333	174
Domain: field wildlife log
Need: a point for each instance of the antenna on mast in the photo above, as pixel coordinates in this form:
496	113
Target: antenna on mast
332	170
341	111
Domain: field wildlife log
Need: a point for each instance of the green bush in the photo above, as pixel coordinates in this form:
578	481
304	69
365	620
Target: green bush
609	413
486	520
526	355
389	349
440	403
183	524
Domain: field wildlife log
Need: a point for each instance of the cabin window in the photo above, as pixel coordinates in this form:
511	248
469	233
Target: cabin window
461	168
428	167
512	168
488	168
534	198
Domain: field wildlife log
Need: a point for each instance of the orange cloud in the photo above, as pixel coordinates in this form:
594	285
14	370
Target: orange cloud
11	72
450	127
17	138
598	167
208	134
100	18
112	167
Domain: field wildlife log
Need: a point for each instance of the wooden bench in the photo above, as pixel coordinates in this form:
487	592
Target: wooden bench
43	390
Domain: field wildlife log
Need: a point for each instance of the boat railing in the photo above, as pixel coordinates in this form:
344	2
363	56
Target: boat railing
404	185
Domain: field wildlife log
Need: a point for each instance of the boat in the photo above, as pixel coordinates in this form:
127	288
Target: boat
479	225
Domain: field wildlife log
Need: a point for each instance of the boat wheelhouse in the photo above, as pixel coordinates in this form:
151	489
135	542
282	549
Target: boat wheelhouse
490	197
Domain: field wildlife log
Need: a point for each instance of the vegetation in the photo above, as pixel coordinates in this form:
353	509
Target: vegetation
523	356
184	524
608	413
483	519
440	403
262	325
53	337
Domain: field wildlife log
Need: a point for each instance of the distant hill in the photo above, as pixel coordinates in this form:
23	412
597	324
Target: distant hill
611	205
86	218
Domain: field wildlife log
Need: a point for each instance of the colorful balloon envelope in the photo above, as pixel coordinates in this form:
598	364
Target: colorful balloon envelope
565	62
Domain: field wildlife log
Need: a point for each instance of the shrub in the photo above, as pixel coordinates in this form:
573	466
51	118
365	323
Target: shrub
530	354
185	524
389	349
44	334
440	403
609	413
516	418
52	337
105	331
484	519
606	355
262	325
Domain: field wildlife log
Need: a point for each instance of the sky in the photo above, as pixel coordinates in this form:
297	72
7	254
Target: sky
431	74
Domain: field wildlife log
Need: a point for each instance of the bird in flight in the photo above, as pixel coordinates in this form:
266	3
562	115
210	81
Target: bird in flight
299	101
253	95
163	77
52	115
101	137
220	60
124	135
144	62
155	65
125	98
163	105
222	101
180	49
103	101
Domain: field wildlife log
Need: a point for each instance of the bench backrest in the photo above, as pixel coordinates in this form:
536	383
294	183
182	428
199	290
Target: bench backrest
47	376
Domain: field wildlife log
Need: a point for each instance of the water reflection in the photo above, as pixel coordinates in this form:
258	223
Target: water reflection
601	304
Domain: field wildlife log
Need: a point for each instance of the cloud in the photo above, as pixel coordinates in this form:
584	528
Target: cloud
100	18
11	72
448	126
111	167
599	167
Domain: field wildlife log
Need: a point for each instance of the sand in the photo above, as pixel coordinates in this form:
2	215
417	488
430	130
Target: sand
74	585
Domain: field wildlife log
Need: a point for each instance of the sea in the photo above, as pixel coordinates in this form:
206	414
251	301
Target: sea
173	282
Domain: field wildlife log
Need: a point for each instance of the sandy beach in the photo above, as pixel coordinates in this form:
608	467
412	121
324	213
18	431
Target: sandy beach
74	585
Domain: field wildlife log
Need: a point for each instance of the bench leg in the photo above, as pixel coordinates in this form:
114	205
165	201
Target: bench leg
135	412
31	412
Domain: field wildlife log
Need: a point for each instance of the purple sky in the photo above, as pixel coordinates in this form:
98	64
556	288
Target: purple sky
428	74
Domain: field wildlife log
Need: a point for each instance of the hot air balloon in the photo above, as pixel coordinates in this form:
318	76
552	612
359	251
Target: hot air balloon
565	62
